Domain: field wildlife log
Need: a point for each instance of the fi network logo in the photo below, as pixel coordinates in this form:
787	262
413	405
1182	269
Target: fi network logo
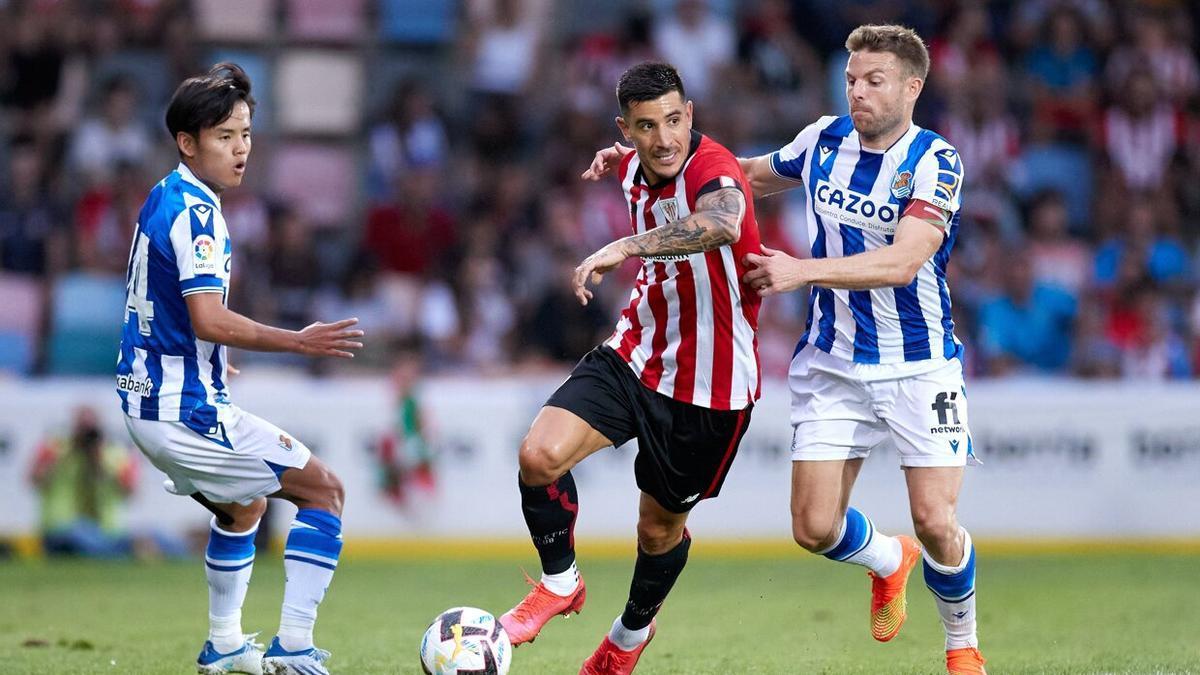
946	407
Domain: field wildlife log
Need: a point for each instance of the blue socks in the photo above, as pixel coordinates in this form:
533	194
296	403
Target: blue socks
228	562
953	589
859	543
309	560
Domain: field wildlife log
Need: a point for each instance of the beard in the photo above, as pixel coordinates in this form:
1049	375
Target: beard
879	125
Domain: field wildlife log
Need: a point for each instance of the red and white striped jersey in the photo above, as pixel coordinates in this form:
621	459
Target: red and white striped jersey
689	331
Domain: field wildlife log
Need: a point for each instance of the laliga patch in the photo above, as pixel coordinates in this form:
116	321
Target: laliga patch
204	255
666	210
902	185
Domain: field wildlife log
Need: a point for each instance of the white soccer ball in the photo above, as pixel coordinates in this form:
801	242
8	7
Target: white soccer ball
465	641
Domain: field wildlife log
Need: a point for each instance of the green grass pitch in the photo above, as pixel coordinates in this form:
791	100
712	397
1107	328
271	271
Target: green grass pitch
1086	613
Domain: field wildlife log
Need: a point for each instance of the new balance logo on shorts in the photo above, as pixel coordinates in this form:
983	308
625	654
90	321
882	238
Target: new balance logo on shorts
946	407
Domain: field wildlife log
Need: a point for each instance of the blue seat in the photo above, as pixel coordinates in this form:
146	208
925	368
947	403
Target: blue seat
87	314
16	353
417	22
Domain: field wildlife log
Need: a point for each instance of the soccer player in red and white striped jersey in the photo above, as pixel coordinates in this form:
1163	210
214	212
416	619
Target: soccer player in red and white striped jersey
680	372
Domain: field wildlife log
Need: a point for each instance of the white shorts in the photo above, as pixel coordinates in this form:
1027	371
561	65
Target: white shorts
843	410
239	461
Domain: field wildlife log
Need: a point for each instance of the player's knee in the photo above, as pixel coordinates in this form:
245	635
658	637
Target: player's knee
934	524
657	538
335	493
323	491
542	461
244	518
812	531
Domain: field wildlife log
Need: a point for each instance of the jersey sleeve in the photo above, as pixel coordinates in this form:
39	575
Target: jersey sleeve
788	161
938	177
715	169
200	243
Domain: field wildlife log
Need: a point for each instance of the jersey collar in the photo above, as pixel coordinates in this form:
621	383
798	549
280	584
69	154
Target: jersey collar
910	132
190	177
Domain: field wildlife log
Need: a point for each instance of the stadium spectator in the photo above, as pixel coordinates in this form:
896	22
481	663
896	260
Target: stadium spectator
83	480
1027	325
1141	132
412	233
1062	71
1156	46
701	43
114	137
1142	242
1058	258
411	135
32	236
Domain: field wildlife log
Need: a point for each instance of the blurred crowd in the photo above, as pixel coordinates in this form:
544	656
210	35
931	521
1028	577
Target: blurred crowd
447	211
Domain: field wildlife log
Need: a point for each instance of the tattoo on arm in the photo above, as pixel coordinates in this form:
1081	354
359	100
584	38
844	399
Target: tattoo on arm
716	222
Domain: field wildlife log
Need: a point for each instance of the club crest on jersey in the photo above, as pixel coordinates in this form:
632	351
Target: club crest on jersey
902	185
666	210
285	442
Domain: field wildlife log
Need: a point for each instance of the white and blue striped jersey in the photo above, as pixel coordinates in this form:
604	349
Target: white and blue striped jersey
856	197
181	246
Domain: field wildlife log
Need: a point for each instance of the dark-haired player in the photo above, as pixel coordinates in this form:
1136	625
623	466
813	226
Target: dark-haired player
680	372
879	365
173	383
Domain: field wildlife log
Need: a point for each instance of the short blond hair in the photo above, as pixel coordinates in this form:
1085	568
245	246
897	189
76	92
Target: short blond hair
903	42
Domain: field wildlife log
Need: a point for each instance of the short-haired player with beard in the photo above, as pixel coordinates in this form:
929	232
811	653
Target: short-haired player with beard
879	364
680	372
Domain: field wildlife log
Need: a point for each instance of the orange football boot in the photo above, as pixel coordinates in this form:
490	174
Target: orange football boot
609	659
525	621
965	661
889	600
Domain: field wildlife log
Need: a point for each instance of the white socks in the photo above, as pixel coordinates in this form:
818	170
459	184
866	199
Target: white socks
627	639
859	543
228	563
954	591
564	583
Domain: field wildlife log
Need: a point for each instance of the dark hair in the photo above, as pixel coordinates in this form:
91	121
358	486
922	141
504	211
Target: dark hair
646	82
206	100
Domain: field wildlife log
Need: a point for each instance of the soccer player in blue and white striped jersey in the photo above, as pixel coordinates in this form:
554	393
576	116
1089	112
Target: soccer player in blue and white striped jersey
879	364
172	378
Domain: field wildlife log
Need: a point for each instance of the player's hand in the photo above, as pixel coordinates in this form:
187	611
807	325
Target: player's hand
605	161
231	370
329	339
595	266
774	272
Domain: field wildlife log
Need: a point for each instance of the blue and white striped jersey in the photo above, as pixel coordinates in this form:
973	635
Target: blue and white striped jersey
856	197
181	247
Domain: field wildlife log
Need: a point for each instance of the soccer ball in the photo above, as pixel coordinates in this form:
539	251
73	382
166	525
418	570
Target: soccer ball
465	641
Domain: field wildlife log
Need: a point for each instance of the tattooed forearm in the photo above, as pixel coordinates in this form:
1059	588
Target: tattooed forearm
716	222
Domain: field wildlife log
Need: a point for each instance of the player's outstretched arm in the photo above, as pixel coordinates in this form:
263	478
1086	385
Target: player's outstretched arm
763	180
605	161
212	321
716	222
891	266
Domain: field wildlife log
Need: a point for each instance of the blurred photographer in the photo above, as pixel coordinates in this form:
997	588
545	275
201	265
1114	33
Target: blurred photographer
83	480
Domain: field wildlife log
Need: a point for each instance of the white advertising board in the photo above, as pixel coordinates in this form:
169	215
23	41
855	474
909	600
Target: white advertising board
1061	459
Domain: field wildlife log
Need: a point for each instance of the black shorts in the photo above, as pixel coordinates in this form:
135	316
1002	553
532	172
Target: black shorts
684	450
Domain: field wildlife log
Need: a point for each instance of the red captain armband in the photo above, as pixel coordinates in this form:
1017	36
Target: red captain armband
931	214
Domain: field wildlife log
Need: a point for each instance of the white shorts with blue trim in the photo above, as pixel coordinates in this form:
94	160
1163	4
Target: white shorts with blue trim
238	461
844	410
